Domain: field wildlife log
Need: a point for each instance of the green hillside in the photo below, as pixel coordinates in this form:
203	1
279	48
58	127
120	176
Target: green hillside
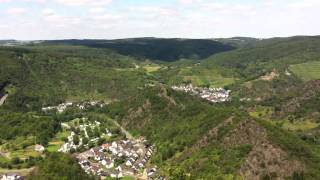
266	55
203	145
52	74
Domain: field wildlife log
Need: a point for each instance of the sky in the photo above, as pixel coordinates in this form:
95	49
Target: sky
114	19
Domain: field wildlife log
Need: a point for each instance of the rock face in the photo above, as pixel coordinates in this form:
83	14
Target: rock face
308	92
265	159
270	76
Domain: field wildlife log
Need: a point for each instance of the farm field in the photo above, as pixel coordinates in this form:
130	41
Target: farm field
301	125
307	71
152	68
206	77
57	142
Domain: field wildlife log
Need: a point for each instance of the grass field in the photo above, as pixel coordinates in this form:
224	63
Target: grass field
152	68
300	125
307	71
206	77
261	112
25	153
57	142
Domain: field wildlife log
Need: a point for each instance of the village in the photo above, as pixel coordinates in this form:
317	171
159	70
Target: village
82	106
214	95
106	152
119	159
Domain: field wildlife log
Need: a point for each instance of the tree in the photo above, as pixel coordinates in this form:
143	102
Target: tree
59	166
64	139
85	140
96	132
101	141
15	160
91	144
76	139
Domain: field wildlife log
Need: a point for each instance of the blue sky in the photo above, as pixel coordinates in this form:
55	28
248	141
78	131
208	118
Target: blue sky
112	19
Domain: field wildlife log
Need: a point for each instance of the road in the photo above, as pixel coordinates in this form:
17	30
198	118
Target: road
3	99
128	135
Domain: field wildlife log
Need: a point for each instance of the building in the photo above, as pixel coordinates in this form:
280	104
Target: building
39	148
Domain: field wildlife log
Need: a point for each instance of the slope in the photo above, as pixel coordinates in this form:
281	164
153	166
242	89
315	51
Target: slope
199	141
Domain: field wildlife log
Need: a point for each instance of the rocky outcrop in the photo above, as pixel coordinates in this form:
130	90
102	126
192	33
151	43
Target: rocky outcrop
265	158
309	91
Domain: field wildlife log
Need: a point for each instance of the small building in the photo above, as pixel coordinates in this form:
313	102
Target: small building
39	148
11	177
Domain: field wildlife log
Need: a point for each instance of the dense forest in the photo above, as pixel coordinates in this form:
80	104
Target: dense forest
156	49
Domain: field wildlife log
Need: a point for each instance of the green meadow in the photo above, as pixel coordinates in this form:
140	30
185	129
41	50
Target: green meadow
307	71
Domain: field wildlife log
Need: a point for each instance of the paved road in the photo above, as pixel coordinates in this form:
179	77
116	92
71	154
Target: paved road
2	100
128	135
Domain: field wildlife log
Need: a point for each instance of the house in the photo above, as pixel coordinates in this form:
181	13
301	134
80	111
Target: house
120	175
135	156
141	165
97	153
11	177
129	163
114	144
39	148
119	168
108	163
120	155
105	146
95	169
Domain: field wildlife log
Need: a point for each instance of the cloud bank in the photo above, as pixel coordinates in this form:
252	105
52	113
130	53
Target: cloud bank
107	19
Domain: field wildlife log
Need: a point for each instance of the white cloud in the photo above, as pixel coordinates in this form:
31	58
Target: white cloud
48	12
305	4
181	18
16	11
4	26
189	2
83	2
154	10
96	10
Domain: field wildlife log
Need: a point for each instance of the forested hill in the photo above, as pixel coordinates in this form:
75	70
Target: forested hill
156	48
268	54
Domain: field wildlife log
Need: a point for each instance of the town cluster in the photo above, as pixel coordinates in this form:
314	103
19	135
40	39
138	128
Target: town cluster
88	135
214	95
83	105
118	159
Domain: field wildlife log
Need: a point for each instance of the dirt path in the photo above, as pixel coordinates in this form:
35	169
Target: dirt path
3	99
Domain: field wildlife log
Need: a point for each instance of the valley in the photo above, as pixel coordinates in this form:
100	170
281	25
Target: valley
141	109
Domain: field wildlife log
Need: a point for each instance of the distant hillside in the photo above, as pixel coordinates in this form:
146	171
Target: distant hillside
278	53
156	49
238	41
50	74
